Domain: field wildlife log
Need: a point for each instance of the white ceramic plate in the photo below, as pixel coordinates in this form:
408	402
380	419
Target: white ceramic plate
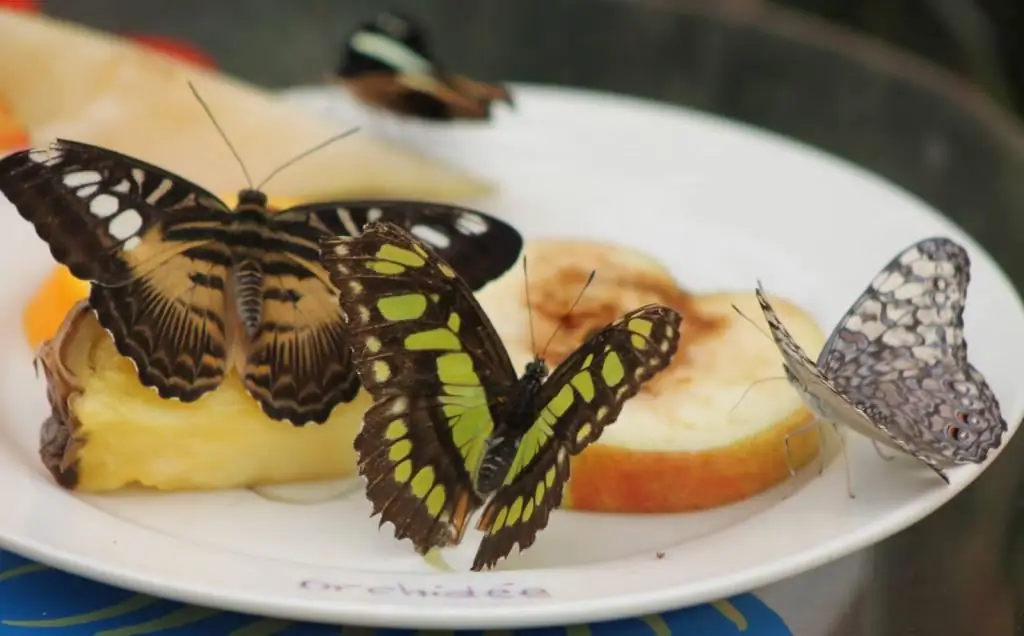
723	205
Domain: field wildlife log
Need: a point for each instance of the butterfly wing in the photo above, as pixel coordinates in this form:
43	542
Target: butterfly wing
437	372
298	364
816	390
148	240
478	246
583	395
106	216
899	354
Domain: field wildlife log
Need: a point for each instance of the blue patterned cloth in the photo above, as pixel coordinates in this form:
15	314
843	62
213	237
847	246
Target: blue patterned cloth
35	600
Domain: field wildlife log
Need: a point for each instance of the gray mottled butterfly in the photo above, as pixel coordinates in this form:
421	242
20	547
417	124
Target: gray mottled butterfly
895	369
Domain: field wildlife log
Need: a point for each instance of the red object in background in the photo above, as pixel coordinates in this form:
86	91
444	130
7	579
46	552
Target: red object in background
20	5
175	48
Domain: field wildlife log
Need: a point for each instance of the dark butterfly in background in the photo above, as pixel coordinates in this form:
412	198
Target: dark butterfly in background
189	287
453	427
387	63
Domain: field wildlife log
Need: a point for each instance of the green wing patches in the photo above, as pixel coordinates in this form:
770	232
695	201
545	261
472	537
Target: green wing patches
584	394
428	357
452	423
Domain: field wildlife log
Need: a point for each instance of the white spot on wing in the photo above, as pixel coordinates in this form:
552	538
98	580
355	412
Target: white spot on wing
470	223
83	178
910	290
131	244
47	156
104	205
373	214
888	281
125	225
87	191
123	187
347	222
159	192
431	236
924	268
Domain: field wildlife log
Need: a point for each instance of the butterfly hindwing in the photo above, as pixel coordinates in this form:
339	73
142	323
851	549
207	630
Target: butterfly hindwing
583	395
171	322
106	216
437	372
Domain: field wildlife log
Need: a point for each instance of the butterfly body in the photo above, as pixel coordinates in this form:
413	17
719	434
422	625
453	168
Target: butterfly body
510	427
895	369
454	427
387	63
189	288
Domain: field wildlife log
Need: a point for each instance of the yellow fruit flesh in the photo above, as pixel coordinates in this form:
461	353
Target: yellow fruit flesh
128	435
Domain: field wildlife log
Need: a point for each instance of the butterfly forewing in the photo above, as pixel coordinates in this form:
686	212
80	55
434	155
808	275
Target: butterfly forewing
477	246
584	394
899	354
437	372
108	217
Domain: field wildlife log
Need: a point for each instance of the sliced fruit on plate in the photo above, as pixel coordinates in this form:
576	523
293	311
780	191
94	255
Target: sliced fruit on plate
107	431
710	429
85	85
707	432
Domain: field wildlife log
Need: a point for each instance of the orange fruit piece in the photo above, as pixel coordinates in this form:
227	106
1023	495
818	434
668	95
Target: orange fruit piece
47	308
12	134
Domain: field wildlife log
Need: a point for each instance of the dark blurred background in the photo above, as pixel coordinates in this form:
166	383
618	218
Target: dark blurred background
927	93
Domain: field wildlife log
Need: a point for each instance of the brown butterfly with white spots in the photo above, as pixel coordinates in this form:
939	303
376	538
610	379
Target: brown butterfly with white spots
190	288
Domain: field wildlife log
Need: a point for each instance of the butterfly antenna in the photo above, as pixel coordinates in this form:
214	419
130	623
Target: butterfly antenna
561	322
302	155
209	113
751	321
529	307
752	385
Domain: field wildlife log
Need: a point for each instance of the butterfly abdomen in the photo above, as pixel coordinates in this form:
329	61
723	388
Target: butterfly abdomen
248	287
517	417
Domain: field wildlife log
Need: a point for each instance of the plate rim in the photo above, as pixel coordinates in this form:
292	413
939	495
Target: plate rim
512	615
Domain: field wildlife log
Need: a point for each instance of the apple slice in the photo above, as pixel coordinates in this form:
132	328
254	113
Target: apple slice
707	431
85	85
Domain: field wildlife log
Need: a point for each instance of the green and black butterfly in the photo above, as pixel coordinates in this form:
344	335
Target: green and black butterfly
452	424
189	287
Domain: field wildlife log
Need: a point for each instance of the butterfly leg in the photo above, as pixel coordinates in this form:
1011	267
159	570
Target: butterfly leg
789	454
878	449
846	461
